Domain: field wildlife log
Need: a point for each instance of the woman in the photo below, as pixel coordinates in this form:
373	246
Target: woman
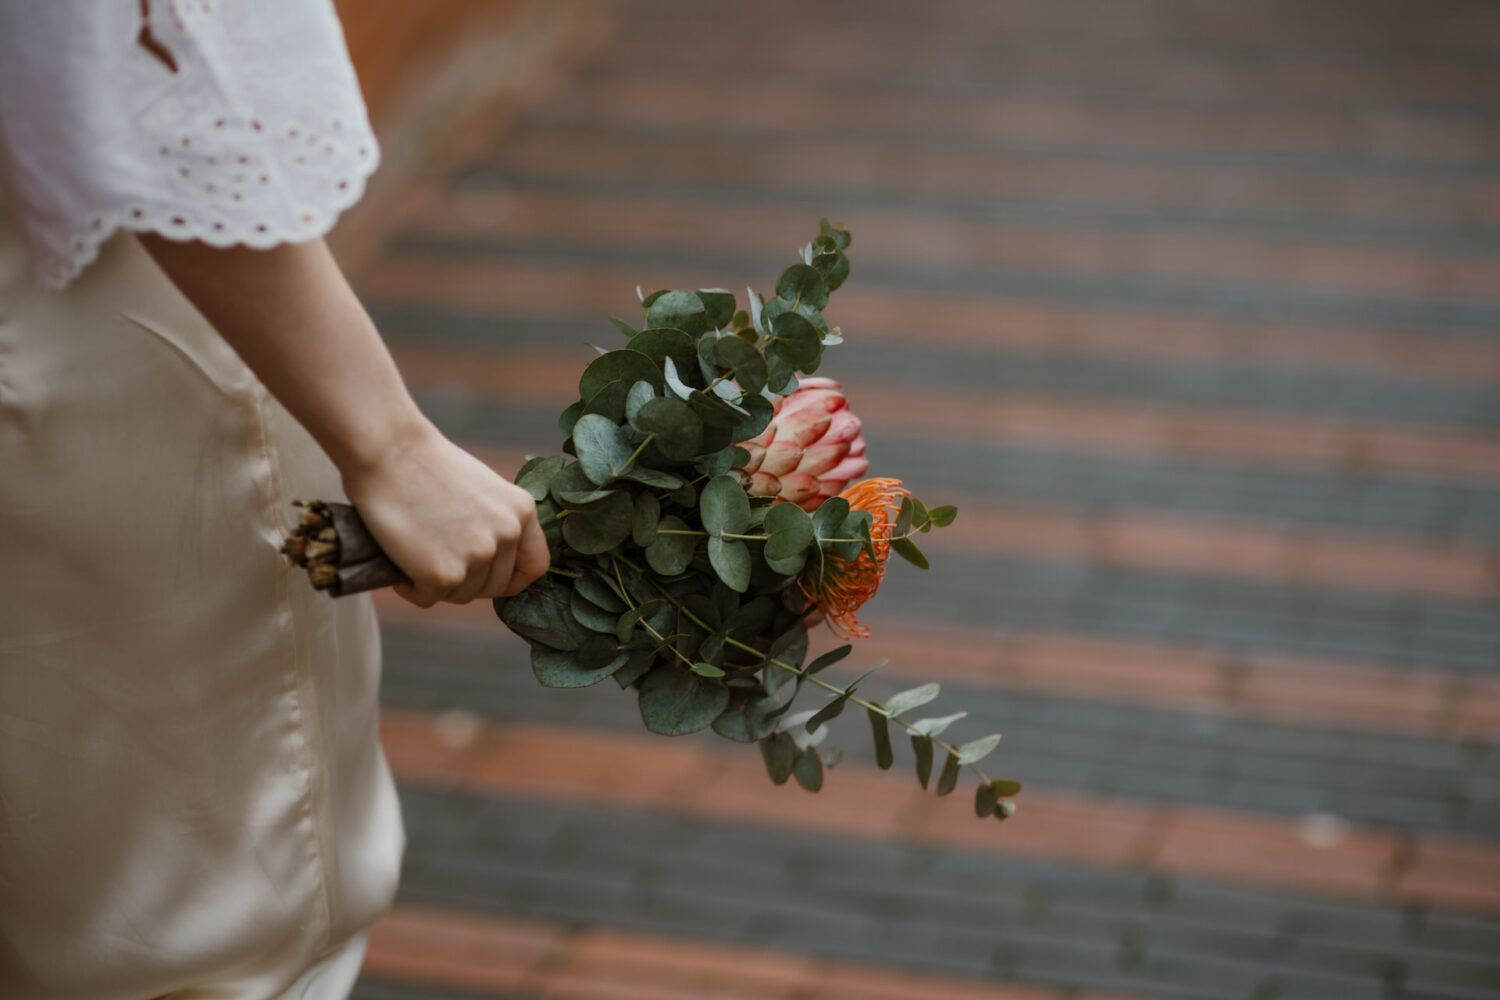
192	799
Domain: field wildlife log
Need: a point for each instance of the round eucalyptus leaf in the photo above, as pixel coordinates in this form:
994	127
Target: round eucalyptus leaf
540	614
609	402
730	559
603	447
747	719
590	615
599	591
671	554
535	476
678	433
679	310
600	526
556	669
791	531
798	342
718	306
569	479
646	517
567	418
639	395
674	702
724	506
759	413
661	343
624	365
802	284
747	364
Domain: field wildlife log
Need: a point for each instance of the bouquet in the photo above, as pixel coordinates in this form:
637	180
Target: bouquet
706	511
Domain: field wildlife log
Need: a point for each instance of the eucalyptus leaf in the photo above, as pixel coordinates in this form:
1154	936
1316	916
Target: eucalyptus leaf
723	506
670	554
808	770
948	780
661	343
746	363
905	701
674	381
600	526
640	394
718	306
922	747
639	473
779	753
798	342
680	310
907	549
626	625
985	800
623	365
540	614
646	517
623	327
535	476
791	531
881	732
590	615
597	590
707	670
1006	789
674	702
748	719
937	725
943	516
609	402
730	559
676	430
802	283
556	669
828	659
977	750
603	447
828	712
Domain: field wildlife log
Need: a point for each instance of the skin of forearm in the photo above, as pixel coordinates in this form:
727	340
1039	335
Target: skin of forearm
292	317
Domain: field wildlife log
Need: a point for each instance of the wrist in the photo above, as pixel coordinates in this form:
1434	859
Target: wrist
372	441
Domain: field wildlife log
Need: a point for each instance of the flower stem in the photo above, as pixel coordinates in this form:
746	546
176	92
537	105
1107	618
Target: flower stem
817	681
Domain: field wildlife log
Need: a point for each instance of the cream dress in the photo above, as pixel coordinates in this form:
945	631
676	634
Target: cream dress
193	801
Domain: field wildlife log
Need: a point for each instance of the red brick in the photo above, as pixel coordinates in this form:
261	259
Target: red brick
425	946
1259	850
1453	873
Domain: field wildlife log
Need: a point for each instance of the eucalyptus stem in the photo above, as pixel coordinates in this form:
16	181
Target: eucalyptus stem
635	454
819	682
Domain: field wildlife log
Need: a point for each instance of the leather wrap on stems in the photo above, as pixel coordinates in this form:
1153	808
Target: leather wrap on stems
341	557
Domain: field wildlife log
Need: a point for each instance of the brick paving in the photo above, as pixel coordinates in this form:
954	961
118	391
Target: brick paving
1194	309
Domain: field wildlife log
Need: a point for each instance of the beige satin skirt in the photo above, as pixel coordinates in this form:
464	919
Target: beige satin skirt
193	801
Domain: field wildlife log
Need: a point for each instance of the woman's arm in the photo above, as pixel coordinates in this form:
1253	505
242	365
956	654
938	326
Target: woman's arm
459	530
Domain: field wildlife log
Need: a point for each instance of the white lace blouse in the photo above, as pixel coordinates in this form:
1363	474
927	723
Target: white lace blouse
225	121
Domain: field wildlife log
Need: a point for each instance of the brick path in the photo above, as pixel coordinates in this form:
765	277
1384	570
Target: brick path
1194	308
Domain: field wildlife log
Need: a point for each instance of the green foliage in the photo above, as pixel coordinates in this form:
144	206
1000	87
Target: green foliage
667	578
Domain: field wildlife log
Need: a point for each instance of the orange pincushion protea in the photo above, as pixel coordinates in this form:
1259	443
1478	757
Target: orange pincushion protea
840	587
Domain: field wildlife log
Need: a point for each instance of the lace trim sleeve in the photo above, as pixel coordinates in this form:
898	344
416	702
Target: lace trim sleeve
233	122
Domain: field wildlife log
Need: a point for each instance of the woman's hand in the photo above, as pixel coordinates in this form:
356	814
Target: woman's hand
455	527
459	530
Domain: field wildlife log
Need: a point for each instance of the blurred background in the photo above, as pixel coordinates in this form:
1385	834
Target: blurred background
1192	307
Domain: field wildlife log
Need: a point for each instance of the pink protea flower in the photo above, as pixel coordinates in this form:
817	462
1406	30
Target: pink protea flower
811	449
